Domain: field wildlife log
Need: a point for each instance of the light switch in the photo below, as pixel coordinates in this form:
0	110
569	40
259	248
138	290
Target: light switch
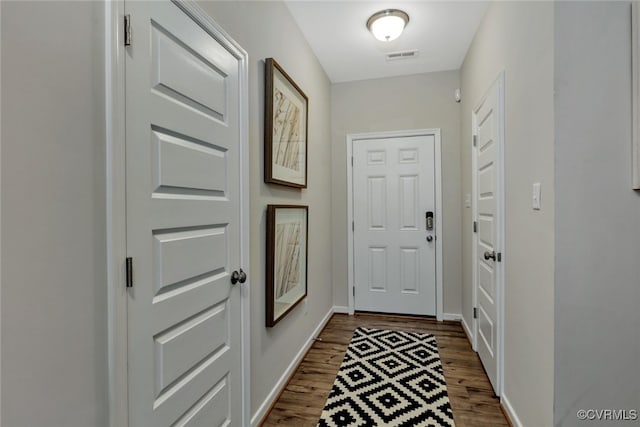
467	200
536	202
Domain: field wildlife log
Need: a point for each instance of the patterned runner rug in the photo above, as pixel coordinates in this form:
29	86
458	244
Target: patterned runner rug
389	378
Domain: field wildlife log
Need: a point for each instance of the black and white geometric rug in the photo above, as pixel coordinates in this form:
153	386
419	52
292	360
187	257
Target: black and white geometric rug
389	378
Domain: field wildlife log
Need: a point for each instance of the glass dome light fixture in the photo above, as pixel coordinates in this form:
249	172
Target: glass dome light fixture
388	24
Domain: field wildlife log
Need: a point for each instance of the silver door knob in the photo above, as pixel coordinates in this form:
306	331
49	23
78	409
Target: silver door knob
429	238
490	255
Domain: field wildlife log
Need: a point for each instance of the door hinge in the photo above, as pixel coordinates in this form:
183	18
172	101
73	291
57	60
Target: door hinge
499	257
127	30
354	290
353	226
351	161
129	272
475	313
475	226
475	140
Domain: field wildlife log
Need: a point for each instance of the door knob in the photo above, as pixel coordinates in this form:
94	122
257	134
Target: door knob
240	276
490	255
235	276
429	238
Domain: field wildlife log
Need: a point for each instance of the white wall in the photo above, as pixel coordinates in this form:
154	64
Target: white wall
54	290
597	313
517	37
266	29
399	103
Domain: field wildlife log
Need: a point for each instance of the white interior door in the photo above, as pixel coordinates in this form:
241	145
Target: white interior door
487	164
183	221
394	253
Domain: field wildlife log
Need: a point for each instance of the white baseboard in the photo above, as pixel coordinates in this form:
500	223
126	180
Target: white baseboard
284	379
342	309
456	317
467	330
510	411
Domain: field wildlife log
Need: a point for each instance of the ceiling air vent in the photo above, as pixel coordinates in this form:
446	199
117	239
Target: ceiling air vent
405	54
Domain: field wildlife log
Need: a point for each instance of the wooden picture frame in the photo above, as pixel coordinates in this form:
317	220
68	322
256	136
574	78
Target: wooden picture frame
287	250
286	116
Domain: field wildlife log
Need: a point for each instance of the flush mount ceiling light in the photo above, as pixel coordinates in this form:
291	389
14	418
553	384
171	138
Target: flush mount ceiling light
387	25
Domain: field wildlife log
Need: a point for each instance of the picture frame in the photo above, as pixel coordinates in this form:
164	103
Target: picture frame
285	128
287	251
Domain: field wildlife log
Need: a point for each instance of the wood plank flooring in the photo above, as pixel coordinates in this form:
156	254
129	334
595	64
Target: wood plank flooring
472	401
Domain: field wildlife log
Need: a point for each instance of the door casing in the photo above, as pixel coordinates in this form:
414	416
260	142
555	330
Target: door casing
500	266
353	138
116	201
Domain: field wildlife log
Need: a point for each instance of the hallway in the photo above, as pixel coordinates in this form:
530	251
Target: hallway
108	215
301	402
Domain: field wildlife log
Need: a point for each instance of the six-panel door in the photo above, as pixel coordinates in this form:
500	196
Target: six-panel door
393	189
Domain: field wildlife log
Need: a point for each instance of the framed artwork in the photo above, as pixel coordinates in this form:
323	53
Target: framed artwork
287	233
635	96
285	129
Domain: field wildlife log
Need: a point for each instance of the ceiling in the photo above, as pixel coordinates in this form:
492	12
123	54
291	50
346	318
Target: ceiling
336	30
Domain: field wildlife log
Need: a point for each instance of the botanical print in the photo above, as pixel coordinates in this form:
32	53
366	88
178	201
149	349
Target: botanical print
287	257
285	131
287	120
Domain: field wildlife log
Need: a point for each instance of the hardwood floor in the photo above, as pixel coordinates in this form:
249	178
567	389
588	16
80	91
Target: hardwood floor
472	401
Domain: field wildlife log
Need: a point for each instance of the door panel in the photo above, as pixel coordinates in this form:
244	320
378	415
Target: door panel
180	256
183	210
179	163
409	270
377	202
393	187
179	72
212	409
486	329
182	346
486	201
409	203
377	269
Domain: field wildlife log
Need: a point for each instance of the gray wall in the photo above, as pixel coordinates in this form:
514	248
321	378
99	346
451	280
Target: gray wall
266	29
597	315
54	290
517	37
411	102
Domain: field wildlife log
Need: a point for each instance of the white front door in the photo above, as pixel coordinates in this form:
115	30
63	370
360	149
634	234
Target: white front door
394	252
183	221
487	169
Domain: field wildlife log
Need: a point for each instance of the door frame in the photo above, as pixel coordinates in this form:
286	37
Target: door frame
116	202
499	266
351	139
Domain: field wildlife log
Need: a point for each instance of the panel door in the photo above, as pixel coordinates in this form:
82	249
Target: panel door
183	210
393	188
486	199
